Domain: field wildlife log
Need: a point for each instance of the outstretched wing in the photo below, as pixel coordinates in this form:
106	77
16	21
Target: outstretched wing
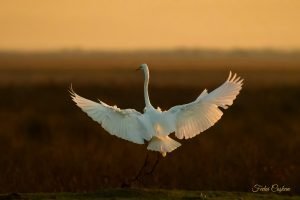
193	118
126	124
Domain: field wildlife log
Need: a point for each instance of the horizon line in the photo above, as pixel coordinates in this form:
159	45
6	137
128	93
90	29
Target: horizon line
150	50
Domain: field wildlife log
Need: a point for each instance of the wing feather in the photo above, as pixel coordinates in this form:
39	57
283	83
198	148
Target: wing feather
193	118
126	124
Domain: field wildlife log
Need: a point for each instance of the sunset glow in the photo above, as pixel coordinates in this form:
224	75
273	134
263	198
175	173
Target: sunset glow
141	24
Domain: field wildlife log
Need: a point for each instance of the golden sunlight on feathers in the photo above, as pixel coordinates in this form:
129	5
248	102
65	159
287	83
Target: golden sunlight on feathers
153	125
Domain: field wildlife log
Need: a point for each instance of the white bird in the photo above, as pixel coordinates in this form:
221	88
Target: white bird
154	125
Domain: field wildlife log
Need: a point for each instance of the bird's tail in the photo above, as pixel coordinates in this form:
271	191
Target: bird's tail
163	144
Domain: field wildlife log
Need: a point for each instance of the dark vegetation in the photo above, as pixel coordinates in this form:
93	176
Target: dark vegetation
48	145
140	194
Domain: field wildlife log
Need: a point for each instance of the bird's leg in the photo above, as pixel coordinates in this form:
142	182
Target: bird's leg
158	157
136	178
138	175
142	172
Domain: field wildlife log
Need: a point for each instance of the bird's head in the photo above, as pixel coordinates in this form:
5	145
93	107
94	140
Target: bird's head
142	67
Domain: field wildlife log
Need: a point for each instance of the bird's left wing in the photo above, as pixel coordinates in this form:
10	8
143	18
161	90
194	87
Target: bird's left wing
126	124
191	119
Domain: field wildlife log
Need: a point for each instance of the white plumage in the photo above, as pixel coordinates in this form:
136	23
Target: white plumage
154	125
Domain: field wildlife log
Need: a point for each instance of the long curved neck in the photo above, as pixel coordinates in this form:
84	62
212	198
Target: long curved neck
146	83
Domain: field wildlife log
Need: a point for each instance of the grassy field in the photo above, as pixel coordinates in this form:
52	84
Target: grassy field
141	194
48	145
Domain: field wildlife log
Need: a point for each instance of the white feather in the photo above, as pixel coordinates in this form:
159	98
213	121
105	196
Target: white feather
193	118
125	124
153	125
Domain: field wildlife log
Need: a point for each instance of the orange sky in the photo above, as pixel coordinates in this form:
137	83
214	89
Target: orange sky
145	24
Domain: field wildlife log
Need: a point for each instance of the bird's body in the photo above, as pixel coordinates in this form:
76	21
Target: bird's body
154	125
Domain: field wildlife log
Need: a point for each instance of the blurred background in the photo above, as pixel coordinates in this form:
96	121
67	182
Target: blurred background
48	145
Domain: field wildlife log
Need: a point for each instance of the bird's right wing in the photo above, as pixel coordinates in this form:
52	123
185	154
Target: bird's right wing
191	119
126	124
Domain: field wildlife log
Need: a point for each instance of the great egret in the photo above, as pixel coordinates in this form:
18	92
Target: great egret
154	125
